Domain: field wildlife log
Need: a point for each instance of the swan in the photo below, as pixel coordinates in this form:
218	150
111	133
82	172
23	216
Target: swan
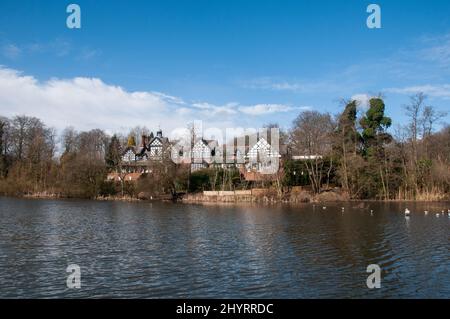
426	212
407	212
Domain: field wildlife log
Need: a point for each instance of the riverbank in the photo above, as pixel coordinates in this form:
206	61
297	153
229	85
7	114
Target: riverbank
267	196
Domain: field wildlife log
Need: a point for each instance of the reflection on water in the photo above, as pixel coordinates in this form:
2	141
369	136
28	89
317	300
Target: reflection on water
157	250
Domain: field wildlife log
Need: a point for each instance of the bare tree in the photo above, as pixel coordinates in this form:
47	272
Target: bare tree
311	136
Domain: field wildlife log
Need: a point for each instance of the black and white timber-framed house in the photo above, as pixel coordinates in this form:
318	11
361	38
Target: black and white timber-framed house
138	159
252	155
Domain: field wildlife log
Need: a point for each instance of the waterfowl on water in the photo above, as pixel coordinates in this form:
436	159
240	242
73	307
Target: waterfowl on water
426	212
407	212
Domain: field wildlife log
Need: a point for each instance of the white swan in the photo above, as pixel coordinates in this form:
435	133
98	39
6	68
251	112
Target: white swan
407	212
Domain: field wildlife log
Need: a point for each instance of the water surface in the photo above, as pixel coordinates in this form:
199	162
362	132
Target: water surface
164	250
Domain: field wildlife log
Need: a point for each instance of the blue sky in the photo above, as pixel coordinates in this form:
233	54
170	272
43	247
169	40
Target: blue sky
228	63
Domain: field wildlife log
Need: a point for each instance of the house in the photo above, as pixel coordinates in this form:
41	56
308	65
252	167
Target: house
263	158
129	155
157	146
204	153
253	155
138	159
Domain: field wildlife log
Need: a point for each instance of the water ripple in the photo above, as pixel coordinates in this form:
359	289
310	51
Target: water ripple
143	250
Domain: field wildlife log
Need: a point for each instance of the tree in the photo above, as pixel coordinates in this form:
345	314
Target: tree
347	146
21	134
113	153
311	136
3	166
415	149
374	125
131	141
137	133
69	139
83	168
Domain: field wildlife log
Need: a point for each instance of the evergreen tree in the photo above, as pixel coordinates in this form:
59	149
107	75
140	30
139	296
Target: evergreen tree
131	141
112	156
347	146
2	155
375	137
374	125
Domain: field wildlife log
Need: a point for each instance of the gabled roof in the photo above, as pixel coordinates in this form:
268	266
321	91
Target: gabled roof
209	143
129	148
264	146
162	140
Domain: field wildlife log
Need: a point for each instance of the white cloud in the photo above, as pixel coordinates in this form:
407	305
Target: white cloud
362	99
88	54
438	49
263	109
209	109
11	51
274	84
329	83
88	103
438	91
85	103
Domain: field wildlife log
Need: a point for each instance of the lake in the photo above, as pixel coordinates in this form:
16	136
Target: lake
166	250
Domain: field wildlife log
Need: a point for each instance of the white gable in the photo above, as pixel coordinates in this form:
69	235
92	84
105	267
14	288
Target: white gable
201	151
128	156
156	142
200	146
262	148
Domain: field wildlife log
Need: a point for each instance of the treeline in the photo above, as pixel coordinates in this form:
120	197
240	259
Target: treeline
29	163
359	151
362	156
